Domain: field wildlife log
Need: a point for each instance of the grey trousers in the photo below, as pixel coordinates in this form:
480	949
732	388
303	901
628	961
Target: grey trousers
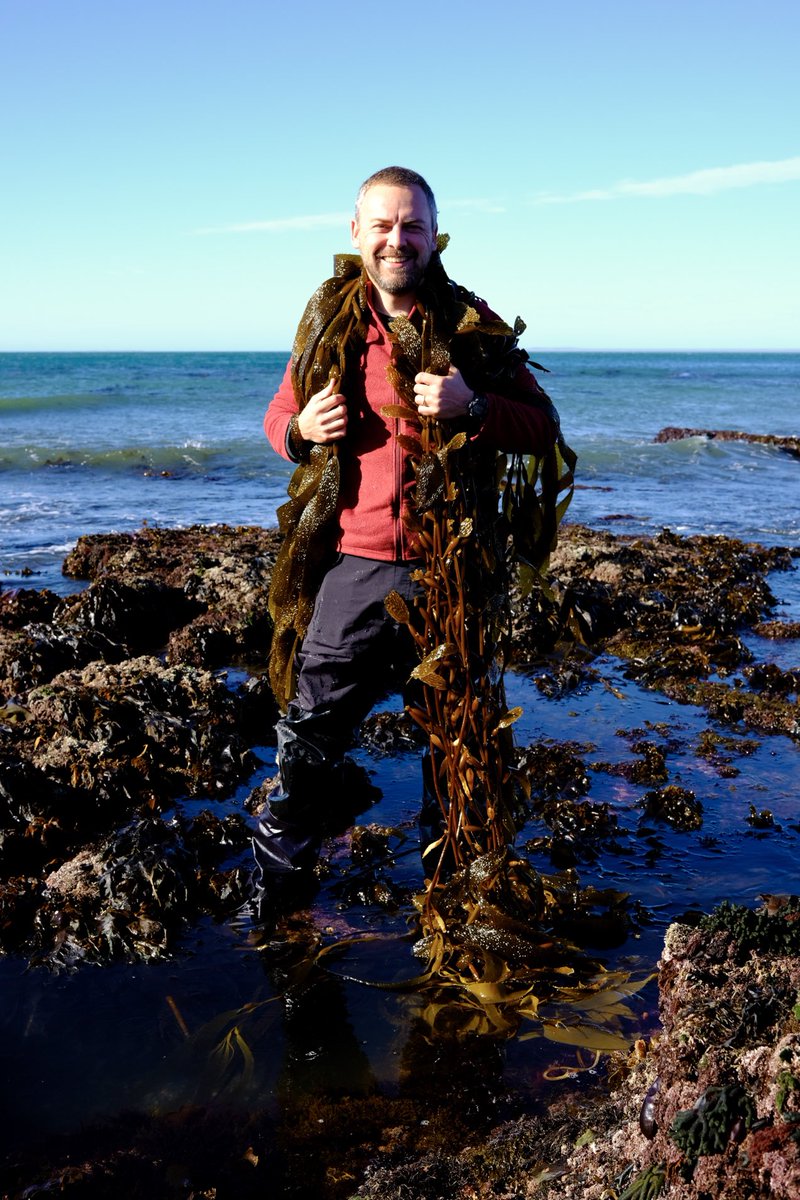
353	654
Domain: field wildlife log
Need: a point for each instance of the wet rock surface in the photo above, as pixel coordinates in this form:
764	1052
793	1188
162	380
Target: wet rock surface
92	753
673	610
709	1107
204	590
99	737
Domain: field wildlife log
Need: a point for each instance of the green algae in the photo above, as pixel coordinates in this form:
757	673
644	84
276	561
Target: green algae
762	930
647	1185
787	1084
713	1122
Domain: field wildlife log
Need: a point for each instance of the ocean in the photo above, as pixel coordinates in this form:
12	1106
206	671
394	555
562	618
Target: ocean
100	442
96	442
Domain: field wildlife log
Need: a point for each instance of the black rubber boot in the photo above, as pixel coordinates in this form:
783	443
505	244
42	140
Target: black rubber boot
319	793
289	832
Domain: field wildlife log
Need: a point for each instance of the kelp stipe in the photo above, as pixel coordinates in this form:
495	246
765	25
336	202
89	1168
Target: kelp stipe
476	516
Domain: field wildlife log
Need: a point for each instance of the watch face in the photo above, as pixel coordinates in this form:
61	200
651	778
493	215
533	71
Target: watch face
478	408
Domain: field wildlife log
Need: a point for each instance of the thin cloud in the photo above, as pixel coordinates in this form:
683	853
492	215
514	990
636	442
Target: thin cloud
696	183
282	224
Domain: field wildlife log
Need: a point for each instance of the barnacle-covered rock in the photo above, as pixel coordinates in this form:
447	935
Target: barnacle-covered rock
723	1119
34	653
204	588
138	730
25	606
130	895
124	899
109	744
137	611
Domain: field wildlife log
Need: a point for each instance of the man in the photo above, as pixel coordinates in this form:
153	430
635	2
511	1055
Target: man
348	542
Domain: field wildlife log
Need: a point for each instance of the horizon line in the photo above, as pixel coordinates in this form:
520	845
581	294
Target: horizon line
530	350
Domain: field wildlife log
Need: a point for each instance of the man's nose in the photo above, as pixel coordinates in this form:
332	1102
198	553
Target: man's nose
397	236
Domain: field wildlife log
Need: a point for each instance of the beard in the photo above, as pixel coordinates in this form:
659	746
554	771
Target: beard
396	281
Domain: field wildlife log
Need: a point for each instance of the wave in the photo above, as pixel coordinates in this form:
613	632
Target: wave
602	453
191	458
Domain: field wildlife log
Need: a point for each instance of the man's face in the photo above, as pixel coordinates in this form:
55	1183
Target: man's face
395	234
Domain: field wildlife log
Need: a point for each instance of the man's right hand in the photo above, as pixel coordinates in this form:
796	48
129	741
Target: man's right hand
324	418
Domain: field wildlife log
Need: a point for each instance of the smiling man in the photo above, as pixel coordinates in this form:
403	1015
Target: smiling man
395	231
358	353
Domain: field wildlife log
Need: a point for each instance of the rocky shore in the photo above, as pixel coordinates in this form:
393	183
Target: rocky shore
711	1107
146	687
114	706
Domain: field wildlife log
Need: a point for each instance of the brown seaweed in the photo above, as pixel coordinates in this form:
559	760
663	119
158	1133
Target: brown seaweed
474	513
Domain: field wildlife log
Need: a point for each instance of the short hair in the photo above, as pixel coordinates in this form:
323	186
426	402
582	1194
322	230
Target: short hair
399	177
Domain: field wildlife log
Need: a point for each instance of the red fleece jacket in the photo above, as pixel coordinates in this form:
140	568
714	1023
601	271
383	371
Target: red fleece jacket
376	475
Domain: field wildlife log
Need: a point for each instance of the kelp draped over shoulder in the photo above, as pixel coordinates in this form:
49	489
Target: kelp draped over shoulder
329	344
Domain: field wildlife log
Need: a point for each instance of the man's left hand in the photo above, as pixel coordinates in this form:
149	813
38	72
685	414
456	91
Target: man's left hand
442	397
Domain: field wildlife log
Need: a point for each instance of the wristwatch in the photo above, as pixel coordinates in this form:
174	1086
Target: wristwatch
477	409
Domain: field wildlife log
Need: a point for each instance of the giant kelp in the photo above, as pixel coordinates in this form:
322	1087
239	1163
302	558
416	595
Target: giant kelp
476	515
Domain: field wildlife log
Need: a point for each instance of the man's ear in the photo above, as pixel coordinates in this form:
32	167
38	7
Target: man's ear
354	231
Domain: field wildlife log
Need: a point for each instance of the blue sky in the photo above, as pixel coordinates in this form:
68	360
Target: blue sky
177	174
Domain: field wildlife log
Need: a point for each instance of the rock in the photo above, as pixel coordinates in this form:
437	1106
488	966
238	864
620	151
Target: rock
724	1116
137	730
24	606
207	586
131	895
137	612
678	806
99	747
35	653
672	609
672	433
